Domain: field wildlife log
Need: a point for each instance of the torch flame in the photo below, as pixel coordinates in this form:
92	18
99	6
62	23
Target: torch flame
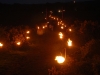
70	30
60	35
28	32
27	37
60	59
18	43
1	44
69	42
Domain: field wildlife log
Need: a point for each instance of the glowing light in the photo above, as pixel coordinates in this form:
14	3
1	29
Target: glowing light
45	18
62	23
27	37
1	44
69	42
59	10
60	59
60	35
18	43
38	27
43	27
74	2
70	30
62	27
28	32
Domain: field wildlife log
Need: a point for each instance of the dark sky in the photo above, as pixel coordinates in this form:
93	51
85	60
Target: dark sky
36	1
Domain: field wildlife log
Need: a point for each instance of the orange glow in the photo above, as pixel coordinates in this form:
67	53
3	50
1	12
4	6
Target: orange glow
1	45
27	37
60	35
69	42
70	30
62	23
62	27
38	27
60	59
28	32
18	43
43	27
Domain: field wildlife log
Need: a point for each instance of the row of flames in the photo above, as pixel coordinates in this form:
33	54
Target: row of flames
18	42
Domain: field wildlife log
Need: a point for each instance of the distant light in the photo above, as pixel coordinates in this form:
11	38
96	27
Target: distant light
70	30
45	18
47	22
27	37
38	27
59	10
49	15
18	43
1	44
74	1
62	27
69	42
60	59
28	32
60	35
43	27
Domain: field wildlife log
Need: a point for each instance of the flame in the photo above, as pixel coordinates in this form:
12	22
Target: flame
61	35
28	32
69	42
27	37
1	44
70	30
60	59
18	43
38	27
62	27
43	27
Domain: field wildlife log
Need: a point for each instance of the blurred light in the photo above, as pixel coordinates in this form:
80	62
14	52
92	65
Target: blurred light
74	2
38	27
60	35
1	44
59	10
57	18
18	43
27	37
62	27
28	32
45	18
69	42
60	59
70	30
43	27
47	22
49	15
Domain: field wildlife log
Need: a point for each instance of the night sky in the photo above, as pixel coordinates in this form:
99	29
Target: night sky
36	1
